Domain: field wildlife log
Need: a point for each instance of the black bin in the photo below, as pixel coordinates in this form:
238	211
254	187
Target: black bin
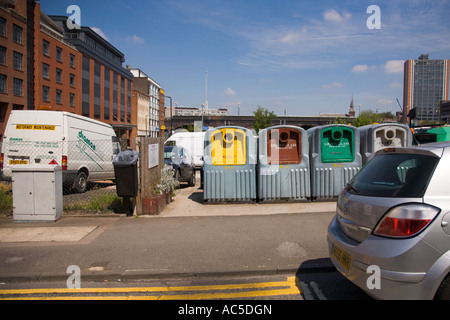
125	170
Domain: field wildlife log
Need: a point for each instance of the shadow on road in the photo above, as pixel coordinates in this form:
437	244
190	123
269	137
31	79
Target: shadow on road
318	279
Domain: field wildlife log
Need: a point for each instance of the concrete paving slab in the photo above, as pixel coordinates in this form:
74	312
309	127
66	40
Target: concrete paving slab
45	234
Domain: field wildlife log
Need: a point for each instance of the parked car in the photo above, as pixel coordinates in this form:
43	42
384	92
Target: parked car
183	164
393	224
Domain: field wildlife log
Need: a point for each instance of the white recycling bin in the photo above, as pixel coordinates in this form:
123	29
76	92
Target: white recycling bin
37	192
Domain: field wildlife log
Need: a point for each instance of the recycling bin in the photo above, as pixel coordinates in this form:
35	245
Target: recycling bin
229	172
335	159
379	136
125	170
283	164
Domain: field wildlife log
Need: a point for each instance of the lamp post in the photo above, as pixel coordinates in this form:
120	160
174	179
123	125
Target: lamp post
202	116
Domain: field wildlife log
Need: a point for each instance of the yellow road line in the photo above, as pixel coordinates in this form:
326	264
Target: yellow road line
289	284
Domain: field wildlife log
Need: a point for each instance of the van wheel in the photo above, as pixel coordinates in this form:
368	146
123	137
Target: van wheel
80	184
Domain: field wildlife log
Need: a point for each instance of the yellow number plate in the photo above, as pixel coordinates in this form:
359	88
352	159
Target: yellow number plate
13	162
342	257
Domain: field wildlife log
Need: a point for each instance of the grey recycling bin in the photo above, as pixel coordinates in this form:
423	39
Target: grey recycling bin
125	170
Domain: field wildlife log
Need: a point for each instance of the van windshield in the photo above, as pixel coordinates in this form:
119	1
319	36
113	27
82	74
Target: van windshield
395	175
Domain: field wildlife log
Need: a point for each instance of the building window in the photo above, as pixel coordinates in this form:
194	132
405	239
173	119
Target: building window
59	54
97	74
2	56
2	27
3	87
106	94
122	99
58	75
46	48
72	80
17	61
72	60
45	71
85	87
45	93
58	96
18	87
17	34
115	87
129	102
72	100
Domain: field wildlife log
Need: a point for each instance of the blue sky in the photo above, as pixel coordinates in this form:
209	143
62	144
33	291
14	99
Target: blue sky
298	57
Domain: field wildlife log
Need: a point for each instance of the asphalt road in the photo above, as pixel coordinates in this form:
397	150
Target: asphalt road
189	240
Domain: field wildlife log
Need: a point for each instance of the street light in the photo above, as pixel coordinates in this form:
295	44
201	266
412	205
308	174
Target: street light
202	116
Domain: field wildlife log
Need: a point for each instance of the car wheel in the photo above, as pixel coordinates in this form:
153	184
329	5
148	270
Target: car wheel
177	179
443	292
192	181
81	181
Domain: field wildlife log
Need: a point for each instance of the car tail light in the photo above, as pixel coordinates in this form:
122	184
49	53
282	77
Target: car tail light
406	220
2	157
64	163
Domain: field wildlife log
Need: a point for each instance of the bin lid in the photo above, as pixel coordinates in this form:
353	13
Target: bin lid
126	158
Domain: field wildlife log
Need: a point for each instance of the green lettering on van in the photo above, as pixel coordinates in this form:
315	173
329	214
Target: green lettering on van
86	140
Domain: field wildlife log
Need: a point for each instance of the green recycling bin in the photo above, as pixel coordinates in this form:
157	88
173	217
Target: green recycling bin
335	159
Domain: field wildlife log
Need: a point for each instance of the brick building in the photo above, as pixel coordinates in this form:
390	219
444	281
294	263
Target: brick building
57	68
13	58
46	65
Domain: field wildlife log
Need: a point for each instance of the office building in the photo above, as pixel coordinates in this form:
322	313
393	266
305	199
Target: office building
426	84
106	85
148	100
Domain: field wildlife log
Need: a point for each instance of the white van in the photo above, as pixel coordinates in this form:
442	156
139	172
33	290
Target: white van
83	147
192	141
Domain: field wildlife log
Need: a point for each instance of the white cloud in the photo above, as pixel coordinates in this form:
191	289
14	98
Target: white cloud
293	37
332	85
334	16
394	66
360	68
385	102
230	92
396	85
100	33
135	39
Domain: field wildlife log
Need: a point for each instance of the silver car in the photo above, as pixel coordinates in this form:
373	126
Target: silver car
391	233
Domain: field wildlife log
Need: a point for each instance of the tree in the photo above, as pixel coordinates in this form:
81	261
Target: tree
367	117
262	118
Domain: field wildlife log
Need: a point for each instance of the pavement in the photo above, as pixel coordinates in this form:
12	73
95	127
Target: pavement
188	238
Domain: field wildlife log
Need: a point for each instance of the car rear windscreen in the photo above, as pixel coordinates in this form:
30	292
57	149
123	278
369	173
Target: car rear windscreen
395	175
